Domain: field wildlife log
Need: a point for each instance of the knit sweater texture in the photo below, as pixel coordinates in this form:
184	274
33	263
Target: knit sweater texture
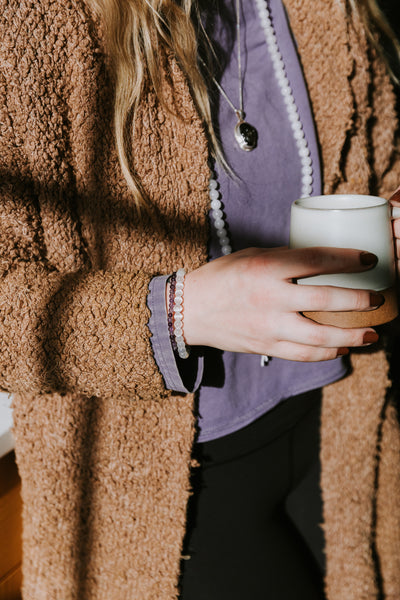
103	449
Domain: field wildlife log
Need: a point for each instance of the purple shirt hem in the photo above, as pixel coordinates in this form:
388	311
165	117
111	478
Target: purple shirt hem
212	433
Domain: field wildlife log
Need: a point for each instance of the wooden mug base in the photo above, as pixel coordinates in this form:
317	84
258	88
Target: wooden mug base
369	318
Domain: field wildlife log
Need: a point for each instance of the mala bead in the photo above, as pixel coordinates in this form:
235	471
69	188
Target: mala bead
288	97
217	215
175	314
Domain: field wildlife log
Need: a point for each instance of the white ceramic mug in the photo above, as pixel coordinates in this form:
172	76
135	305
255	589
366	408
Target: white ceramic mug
350	221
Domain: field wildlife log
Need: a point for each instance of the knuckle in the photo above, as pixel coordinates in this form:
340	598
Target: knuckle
361	300
329	354
310	354
255	263
351	338
321	298
305	354
312	256
318	336
356	338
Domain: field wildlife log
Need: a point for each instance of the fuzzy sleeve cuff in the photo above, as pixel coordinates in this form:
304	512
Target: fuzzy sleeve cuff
84	332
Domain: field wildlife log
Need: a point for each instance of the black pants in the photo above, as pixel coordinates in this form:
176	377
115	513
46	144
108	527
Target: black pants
252	485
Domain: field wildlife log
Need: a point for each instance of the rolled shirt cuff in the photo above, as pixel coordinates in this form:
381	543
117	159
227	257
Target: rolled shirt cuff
179	375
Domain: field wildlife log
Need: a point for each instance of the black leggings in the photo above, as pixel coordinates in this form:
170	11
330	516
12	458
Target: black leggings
252	485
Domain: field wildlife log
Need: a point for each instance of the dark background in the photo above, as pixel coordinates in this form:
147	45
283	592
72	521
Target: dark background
391	9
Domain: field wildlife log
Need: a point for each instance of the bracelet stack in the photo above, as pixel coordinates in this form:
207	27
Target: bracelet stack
175	313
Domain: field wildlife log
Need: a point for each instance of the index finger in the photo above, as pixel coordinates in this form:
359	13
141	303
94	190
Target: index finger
306	262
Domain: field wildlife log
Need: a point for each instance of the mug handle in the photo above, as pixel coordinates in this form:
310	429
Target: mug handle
395	212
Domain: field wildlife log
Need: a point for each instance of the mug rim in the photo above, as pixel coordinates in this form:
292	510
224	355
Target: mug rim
378	201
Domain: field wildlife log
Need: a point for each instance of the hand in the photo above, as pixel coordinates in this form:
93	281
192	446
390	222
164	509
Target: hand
395	201
247	302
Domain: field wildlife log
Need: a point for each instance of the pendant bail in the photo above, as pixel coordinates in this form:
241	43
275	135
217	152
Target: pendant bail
240	114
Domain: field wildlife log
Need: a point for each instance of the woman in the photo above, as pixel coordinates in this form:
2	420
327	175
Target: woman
103	438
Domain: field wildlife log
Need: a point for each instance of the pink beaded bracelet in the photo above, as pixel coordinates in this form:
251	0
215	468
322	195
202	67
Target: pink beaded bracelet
175	313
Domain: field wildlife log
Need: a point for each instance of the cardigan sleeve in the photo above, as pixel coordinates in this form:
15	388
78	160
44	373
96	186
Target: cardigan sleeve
64	329
84	332
64	325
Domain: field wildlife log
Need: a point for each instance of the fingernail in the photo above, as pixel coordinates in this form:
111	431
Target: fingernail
376	299
368	259
342	351
370	337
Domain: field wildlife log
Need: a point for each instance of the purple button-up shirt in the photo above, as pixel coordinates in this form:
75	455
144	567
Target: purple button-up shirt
233	388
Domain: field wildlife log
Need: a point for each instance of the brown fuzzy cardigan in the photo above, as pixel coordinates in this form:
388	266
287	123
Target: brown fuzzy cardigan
104	450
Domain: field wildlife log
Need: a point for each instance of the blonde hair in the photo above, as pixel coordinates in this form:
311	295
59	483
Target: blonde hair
379	31
136	32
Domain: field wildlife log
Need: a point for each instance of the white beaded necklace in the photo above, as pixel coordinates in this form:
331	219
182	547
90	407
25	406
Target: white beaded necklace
295	123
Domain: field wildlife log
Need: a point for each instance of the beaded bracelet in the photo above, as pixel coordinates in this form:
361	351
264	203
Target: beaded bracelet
175	313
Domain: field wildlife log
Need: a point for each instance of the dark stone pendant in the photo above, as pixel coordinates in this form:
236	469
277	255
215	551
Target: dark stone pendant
246	136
